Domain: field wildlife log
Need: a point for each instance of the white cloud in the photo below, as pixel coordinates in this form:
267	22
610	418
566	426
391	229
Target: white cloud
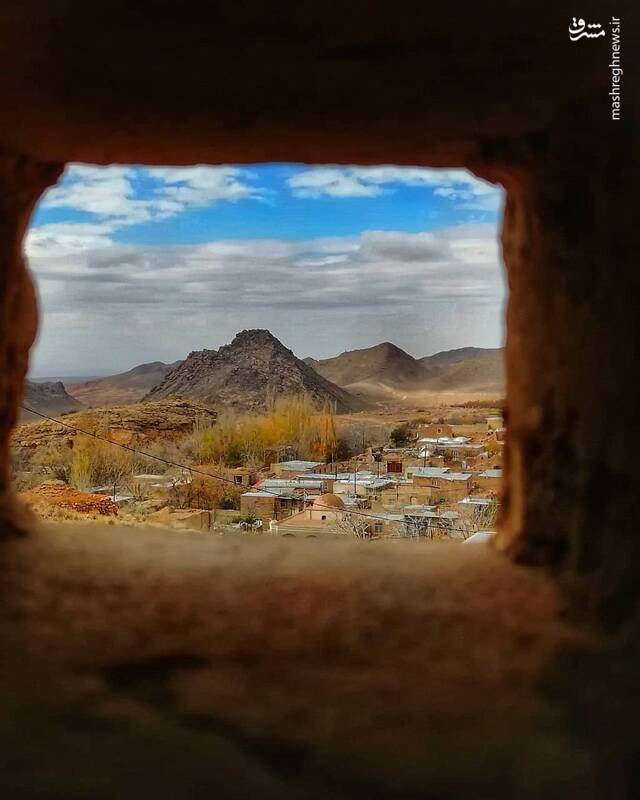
110	306
105	192
328	182
66	238
203	185
111	193
400	272
117	304
454	184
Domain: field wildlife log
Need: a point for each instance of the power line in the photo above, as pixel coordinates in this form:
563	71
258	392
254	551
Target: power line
195	471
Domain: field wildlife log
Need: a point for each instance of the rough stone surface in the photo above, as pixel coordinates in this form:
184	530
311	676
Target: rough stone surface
57	494
22	180
245	374
49	397
172	664
134	424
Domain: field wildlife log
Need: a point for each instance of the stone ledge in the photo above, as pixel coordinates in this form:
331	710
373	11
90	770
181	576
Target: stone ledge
149	663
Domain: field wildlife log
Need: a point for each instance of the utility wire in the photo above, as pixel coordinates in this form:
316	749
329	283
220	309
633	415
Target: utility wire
209	475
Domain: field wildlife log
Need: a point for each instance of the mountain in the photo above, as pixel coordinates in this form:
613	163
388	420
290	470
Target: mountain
385	363
126	387
48	398
386	374
469	369
243	374
447	357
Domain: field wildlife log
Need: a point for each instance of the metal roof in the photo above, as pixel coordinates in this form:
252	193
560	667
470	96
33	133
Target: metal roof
430	472
293	465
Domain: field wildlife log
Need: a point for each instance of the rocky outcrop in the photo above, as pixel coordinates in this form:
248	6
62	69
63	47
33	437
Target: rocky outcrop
47	398
245	374
133	424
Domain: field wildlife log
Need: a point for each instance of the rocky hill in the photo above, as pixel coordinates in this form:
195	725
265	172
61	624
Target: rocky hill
133	424
244	374
47	398
126	387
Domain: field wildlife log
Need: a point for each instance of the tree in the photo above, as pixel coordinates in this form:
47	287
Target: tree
399	435
356	525
483	518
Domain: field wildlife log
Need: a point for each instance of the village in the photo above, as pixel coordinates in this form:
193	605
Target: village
441	485
425	479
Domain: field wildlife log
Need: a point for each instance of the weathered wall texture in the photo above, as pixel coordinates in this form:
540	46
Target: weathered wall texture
22	180
573	494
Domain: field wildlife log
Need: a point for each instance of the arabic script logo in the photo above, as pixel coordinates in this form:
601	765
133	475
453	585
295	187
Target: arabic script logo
579	29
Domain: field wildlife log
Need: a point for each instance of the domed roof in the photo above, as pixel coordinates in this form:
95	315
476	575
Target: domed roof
327	501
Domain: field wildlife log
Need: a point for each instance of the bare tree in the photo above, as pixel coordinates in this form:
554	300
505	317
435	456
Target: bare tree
483	518
430	527
355	525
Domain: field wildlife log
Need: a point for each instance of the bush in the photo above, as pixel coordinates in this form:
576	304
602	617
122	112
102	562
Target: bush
293	425
400	435
82	469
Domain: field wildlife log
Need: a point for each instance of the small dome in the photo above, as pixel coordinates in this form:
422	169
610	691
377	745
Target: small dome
327	501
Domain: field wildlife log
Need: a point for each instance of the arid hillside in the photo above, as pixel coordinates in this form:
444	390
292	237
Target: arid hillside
140	422
385	363
47	398
446	358
126	387
387	375
481	372
245	374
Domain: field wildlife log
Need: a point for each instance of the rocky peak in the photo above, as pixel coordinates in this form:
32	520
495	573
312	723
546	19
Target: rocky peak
244	373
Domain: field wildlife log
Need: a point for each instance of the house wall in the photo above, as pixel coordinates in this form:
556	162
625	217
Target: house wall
404	495
261	507
435	430
493	485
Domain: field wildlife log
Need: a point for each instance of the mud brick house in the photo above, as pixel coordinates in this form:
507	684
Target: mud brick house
286	469
489	480
434	430
266	504
242	476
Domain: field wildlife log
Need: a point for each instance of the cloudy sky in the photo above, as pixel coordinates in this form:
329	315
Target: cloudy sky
138	264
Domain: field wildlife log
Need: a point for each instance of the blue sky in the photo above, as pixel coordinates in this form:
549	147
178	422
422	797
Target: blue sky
137	264
276	208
